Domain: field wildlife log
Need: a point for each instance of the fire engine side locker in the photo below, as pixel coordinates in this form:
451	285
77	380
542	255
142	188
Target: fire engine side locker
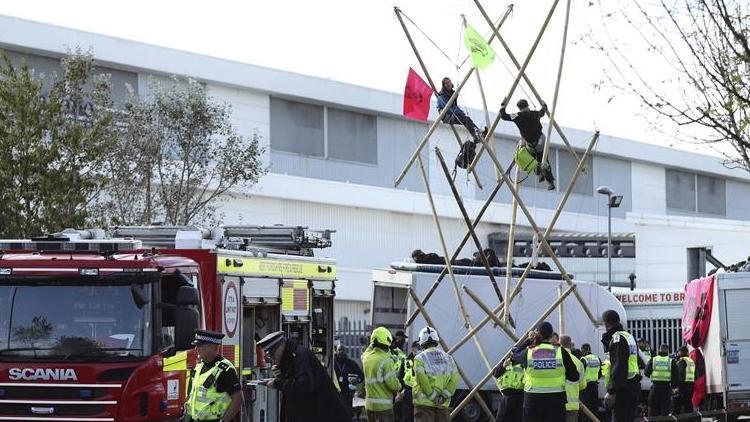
733	291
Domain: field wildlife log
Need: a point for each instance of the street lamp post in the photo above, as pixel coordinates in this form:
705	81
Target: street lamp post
613	201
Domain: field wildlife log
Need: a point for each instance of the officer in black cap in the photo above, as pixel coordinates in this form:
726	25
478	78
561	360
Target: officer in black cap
215	394
308	393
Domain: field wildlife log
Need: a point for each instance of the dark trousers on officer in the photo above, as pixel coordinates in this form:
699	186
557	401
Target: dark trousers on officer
659	399
683	402
626	400
404	410
590	398
544	407
512	410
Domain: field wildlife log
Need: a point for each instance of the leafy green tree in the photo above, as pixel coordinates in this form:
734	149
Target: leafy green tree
53	146
178	157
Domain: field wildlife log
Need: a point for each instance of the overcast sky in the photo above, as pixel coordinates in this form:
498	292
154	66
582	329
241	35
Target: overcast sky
361	42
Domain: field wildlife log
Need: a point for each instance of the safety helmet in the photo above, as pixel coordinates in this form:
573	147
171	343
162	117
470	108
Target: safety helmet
381	336
428	334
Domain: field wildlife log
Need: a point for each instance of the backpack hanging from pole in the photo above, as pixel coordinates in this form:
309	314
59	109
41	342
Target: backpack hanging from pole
466	156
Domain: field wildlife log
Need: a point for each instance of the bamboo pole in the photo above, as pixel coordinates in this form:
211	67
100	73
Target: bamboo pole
557	83
445	110
526	79
520	341
521	72
558	211
509	254
474	236
444	345
528	268
457	252
422	65
489	312
561	313
545	244
436	219
459	299
589	414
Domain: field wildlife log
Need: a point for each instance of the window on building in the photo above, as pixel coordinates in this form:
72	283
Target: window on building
567	166
712	193
323	132
352	136
297	127
692	192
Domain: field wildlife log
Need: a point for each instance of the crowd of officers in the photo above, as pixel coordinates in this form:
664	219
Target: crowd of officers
544	379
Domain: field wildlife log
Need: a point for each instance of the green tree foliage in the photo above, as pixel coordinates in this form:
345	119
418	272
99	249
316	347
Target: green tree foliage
52	145
178	156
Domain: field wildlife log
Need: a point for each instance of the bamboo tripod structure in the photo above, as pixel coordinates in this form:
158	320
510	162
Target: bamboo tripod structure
500	315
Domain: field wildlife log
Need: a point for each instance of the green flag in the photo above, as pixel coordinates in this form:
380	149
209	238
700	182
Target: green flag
481	53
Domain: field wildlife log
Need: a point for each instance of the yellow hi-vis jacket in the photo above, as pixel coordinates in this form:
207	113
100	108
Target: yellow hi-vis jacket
633	368
512	378
205	402
593	365
381	379
545	371
436	375
689	369
573	388
661	369
409	377
606	366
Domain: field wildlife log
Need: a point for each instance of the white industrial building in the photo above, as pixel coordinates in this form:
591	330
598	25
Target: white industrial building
334	151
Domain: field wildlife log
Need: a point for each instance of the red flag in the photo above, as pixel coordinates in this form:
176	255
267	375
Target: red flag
417	96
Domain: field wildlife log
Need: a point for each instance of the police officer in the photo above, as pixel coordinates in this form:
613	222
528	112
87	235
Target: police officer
644	355
402	411
547	367
624	375
590	395
509	379
437	379
573	388
381	377
215	394
660	369
307	391
685	381
408	380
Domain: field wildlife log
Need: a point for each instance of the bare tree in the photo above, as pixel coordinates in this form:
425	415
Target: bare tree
688	62
178	157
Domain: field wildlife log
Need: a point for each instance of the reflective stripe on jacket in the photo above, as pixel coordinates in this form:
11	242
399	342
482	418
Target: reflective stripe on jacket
437	376
573	388
205	402
381	379
545	371
593	364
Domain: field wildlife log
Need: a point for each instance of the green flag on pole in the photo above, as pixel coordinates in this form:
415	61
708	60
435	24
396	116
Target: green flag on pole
481	53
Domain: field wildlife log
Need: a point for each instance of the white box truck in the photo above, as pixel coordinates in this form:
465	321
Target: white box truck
727	346
391	307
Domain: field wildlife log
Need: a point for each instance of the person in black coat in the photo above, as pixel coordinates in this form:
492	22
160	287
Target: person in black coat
623	388
348	373
307	392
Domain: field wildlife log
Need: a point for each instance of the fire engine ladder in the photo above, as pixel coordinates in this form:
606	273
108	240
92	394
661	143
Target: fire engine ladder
290	240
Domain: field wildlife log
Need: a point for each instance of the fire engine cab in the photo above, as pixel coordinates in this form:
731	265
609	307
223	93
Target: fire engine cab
97	325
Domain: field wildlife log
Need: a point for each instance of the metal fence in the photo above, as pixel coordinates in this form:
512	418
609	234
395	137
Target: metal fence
658	331
354	335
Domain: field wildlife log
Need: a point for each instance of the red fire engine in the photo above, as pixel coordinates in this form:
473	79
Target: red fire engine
97	326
